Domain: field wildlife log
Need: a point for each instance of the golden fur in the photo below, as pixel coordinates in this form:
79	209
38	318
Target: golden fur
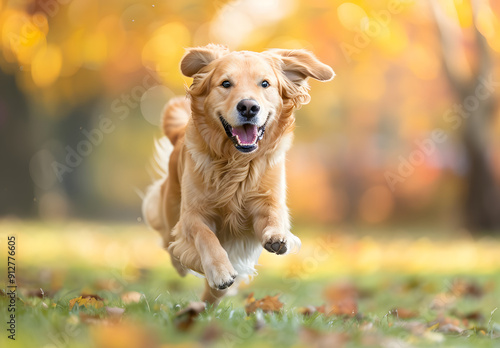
218	206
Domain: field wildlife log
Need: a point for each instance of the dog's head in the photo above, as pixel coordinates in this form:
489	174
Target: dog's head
240	94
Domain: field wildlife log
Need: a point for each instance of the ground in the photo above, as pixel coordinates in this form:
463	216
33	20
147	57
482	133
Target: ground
343	289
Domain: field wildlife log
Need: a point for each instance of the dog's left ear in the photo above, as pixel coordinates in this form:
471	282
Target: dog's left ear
298	65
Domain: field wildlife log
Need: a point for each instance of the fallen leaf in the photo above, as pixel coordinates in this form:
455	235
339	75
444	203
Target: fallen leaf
86	302
347	306
450	328
268	304
461	287
87	295
446	325
184	319
403	313
471	316
475	316
342	298
131	297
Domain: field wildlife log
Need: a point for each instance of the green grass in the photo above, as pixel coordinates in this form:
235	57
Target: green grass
152	322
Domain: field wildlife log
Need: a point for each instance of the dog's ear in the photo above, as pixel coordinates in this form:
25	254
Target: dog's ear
198	57
298	65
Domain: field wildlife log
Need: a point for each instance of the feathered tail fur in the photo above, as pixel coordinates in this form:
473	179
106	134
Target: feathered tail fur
175	117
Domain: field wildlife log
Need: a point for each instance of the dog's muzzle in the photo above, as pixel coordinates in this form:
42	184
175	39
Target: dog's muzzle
245	137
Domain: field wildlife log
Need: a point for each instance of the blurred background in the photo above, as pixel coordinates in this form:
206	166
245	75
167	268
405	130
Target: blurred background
407	134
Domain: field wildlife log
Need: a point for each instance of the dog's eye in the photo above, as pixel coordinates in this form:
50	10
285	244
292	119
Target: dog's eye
226	84
265	84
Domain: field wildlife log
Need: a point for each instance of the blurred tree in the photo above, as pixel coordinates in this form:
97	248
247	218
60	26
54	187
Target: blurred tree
16	186
470	76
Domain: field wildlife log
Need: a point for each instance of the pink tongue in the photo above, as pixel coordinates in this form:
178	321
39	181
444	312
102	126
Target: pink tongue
246	133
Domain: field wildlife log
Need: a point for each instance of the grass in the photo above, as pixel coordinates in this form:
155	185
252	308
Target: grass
443	284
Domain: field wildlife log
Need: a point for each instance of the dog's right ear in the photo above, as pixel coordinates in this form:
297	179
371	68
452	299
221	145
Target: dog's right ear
198	57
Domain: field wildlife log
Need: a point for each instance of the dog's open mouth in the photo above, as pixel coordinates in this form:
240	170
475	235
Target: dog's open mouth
244	137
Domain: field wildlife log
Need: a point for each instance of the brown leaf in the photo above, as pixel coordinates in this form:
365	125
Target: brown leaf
87	302
450	328
89	296
475	316
185	318
446	325
347	306
131	297
268	304
403	313
461	287
343	298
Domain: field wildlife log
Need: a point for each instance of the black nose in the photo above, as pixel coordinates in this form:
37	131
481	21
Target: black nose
248	108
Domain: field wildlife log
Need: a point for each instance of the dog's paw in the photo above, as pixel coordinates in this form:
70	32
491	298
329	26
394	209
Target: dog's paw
278	243
220	277
276	246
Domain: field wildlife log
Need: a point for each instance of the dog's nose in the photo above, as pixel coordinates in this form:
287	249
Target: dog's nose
248	108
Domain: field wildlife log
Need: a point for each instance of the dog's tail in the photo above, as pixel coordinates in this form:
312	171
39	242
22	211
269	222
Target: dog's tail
152	203
175	118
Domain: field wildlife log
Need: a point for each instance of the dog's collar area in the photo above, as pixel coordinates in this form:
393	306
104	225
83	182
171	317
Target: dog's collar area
245	131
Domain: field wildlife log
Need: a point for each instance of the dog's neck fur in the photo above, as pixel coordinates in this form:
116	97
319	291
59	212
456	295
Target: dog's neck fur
235	174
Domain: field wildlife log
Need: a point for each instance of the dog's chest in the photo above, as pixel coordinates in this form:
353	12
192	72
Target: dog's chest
233	214
233	203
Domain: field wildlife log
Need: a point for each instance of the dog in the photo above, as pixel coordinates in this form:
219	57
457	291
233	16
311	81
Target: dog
224	198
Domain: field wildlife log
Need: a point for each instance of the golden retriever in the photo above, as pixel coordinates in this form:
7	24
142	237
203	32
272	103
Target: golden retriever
224	198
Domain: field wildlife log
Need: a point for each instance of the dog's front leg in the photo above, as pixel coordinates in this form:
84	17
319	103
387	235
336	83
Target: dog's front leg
271	220
196	245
